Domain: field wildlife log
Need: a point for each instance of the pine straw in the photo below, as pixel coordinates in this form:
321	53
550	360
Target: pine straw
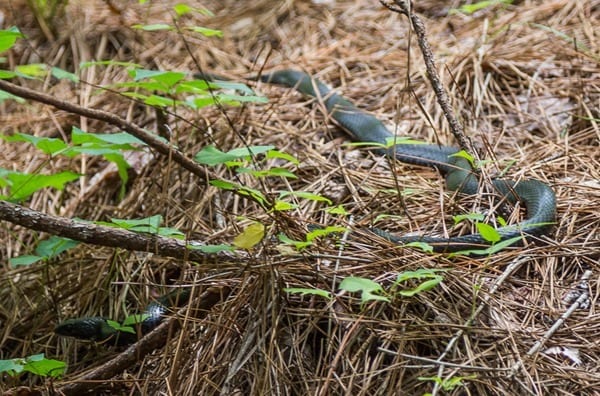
523	94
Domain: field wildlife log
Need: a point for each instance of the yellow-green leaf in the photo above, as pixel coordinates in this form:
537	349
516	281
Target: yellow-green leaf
251	236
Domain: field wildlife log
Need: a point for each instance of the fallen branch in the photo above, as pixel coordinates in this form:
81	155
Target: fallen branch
99	235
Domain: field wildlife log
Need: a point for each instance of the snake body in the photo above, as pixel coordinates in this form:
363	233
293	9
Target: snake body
537	197
96	328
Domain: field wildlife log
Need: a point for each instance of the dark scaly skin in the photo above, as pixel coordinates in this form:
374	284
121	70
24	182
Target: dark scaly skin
96	328
538	198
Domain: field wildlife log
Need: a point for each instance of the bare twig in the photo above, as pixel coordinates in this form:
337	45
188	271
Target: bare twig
509	270
539	343
403	7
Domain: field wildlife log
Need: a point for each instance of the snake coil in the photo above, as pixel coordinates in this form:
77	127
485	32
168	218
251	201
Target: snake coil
538	198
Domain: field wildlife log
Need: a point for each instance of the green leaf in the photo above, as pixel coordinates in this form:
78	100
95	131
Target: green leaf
423	286
488	232
117	326
281	206
320	232
153	27
224	185
431	276
5	75
45	144
148	225
182	9
304	292
195	87
54	246
211	249
469	216
23	185
250	237
9	37
247	152
288	241
80	137
369	289
205	31
284	156
12	366
398	140
272	172
141	74
495	248
167	78
122	167
135	319
306	195
64	75
423	246
24	260
35	364
337	210
241	190
32	70
171	232
45	367
464	155
160	101
139	85
210	155
233	86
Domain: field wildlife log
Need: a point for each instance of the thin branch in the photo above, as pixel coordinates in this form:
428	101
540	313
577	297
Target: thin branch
404	7
112	119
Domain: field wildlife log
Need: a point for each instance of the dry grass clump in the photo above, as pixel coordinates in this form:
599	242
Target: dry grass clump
522	91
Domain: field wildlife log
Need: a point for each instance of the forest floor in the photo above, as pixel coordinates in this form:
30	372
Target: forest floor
524	81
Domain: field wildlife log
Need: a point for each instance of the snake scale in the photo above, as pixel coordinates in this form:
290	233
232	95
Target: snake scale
538	198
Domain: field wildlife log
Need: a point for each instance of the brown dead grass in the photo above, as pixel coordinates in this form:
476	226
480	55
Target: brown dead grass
522	93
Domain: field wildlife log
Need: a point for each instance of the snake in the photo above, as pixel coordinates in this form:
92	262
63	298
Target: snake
97	328
537	197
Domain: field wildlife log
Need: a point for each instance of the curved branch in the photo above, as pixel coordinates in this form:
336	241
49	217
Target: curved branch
151	140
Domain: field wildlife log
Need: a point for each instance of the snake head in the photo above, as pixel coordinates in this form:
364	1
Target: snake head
93	328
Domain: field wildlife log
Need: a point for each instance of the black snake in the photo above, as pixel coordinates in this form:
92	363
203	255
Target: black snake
96	328
538	198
